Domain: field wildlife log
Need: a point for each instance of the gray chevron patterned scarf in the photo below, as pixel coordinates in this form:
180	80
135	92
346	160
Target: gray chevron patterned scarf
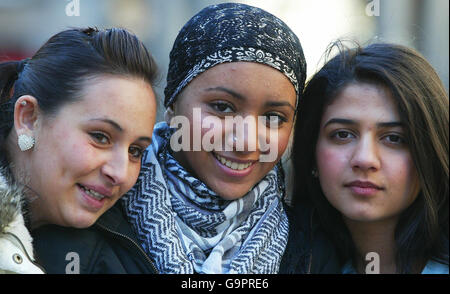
187	228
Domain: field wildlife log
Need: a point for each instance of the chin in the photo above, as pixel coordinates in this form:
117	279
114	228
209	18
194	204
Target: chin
228	190
85	224
233	195
82	221
362	216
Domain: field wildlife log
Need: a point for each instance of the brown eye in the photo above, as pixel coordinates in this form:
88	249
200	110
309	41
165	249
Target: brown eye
17	258
100	138
342	136
274	119
136	152
222	107
394	139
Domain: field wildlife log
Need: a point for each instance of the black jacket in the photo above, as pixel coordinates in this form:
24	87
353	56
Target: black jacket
111	247
108	247
308	250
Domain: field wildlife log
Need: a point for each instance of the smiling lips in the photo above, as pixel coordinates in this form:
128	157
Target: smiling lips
97	193
233	164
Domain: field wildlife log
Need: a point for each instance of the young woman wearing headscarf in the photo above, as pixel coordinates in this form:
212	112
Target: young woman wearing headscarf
219	210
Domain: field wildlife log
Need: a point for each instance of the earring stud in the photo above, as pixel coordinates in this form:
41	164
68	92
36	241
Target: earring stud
25	142
23	102
315	173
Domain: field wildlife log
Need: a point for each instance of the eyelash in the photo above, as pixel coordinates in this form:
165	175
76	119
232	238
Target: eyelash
335	135
402	140
139	150
98	136
281	119
217	104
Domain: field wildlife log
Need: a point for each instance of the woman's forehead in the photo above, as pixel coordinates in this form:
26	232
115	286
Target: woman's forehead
243	80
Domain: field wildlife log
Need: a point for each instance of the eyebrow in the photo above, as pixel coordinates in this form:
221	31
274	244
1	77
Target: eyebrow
108	121
353	122
119	128
280	103
241	97
228	91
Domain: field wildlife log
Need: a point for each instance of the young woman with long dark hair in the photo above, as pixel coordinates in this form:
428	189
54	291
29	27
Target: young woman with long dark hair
371	156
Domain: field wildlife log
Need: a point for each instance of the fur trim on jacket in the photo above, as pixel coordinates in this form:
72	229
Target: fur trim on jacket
16	249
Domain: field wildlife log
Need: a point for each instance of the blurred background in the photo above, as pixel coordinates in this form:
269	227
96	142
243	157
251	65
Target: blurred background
422	24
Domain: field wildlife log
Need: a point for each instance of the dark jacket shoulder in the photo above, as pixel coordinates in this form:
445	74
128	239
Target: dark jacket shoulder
308	250
109	246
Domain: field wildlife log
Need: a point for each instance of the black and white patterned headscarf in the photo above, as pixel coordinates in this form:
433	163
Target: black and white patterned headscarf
232	32
187	228
184	226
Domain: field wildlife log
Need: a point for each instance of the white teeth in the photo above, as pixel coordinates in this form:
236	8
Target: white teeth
233	165
92	193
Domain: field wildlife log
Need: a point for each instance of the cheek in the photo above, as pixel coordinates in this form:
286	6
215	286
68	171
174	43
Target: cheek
64	159
403	178
273	142
84	153
213	134
196	132
281	142
78	156
330	164
132	178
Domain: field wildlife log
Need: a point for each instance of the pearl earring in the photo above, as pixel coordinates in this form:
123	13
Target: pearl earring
25	142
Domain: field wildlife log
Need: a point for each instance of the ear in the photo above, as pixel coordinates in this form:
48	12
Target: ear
26	113
169	114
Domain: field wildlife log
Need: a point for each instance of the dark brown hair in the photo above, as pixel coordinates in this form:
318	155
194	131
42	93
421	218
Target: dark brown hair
56	74
422	103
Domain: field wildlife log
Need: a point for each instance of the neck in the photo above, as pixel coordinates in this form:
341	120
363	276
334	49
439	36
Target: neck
35	211
377	237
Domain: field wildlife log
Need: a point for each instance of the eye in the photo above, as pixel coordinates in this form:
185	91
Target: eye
222	106
274	119
100	138
136	152
394	139
342	135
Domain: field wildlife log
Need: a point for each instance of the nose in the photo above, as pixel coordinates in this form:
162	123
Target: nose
242	135
115	168
365	156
